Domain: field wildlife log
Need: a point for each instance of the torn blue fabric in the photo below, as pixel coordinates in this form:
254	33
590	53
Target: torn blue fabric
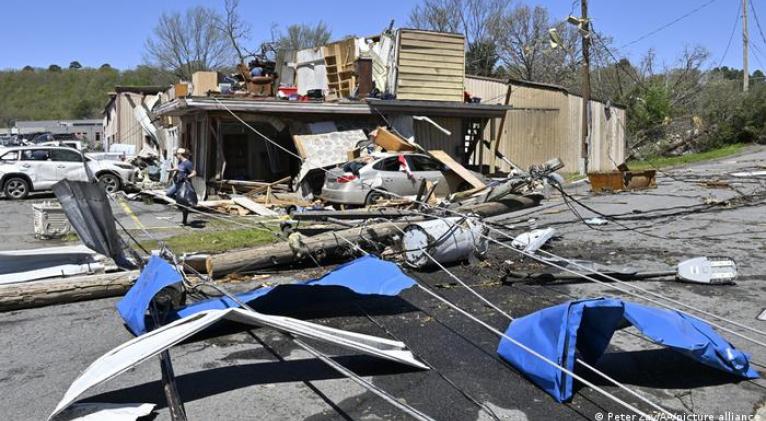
157	274
584	328
366	275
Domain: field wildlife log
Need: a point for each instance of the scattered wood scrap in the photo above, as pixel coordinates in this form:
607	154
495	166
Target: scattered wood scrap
460	170
390	141
253	207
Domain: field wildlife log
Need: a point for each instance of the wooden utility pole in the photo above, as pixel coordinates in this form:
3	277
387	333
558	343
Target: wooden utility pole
586	34
745	49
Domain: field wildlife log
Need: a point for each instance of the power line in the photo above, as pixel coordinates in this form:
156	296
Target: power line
559	258
669	24
731	37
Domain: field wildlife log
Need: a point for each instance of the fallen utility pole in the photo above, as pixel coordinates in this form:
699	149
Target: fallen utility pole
510	203
324	215
64	290
323	245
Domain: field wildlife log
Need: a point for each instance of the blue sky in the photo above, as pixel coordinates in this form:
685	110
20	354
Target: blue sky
44	32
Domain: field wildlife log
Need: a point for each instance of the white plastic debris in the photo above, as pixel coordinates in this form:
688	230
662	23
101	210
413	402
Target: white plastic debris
704	270
446	240
531	241
596	221
749	174
106	412
762	316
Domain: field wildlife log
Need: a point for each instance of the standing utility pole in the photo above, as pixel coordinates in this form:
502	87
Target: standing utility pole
586	34
745	54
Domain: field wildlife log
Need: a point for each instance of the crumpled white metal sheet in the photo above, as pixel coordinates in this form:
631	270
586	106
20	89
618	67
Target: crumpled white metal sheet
27	265
138	350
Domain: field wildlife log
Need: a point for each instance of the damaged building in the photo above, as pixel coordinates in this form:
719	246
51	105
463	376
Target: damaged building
411	81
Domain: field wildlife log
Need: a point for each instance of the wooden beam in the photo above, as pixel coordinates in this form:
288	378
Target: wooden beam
499	134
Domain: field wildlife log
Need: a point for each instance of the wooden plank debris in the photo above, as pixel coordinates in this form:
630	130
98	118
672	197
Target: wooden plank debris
390	141
460	170
253	207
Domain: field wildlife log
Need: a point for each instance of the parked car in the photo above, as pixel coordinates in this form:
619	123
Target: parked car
37	168
358	182
74	144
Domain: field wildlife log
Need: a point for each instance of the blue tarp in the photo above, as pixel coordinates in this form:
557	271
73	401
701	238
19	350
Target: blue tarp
366	275
584	328
157	274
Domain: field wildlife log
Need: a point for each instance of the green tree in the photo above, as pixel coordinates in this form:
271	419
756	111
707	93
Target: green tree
75	65
54	68
83	110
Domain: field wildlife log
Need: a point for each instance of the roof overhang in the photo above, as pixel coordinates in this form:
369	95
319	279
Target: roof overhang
182	106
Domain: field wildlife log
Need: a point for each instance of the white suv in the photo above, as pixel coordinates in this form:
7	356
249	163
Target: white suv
37	168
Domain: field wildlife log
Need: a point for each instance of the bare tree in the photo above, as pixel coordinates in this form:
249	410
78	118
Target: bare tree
188	43
478	20
234	28
300	36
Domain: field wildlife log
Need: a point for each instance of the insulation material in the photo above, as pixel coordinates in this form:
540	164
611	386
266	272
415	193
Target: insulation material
326	149
446	240
144	347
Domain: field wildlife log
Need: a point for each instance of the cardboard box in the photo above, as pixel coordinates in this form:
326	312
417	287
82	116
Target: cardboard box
204	82
180	90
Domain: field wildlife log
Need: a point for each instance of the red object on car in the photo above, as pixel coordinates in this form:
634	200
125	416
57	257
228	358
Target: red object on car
346	178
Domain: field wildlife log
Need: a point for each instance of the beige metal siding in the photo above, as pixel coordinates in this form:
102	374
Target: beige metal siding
546	123
430	66
129	131
431	138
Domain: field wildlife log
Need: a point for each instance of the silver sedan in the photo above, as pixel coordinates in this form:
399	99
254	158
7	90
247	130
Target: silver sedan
359	182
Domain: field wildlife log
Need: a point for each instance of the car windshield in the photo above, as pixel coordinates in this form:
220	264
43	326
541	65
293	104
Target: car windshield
353	166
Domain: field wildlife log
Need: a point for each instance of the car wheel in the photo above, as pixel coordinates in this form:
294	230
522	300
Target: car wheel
374	197
110	182
16	188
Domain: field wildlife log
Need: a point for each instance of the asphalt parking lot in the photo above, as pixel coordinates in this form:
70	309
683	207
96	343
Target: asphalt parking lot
258	374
